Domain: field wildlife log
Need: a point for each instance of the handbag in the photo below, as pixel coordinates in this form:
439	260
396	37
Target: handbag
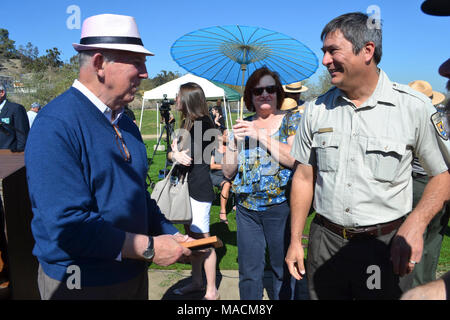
172	197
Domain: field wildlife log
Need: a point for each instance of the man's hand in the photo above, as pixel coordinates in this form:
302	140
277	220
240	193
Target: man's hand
406	248
294	259
407	245
168	249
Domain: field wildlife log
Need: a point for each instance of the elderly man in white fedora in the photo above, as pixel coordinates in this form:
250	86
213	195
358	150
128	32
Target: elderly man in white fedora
425	270
294	91
95	225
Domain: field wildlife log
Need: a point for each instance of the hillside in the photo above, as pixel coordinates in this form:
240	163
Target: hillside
11	68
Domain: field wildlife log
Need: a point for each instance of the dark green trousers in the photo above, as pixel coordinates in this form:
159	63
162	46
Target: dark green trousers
425	270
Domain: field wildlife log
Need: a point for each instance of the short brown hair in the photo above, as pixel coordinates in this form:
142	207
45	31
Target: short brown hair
253	81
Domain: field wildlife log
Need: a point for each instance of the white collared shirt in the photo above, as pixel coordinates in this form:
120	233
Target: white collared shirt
107	112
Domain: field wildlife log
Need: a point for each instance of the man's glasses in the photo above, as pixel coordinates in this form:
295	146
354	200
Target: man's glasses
269	90
122	146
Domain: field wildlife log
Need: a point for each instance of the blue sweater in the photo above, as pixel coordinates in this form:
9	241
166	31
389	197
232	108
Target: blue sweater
84	195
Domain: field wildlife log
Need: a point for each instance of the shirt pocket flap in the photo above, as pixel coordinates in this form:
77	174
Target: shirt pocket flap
325	140
386	147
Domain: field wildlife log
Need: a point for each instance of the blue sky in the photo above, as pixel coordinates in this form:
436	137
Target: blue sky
414	44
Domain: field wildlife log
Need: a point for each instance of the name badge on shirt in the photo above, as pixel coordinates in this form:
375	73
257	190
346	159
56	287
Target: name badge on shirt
438	123
323	130
5	120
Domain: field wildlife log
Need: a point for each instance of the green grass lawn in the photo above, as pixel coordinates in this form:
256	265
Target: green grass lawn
227	255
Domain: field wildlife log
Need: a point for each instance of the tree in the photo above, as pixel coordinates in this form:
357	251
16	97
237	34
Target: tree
315	89
52	58
7	46
28	55
162	77
53	78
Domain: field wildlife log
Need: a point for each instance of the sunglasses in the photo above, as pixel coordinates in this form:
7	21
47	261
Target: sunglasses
269	90
122	146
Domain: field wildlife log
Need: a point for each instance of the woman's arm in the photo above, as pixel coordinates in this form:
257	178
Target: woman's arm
214	166
280	151
230	163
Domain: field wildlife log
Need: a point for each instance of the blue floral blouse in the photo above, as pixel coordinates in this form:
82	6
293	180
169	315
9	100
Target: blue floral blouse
265	180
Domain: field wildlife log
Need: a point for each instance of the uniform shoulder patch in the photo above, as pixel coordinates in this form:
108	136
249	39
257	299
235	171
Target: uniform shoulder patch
438	123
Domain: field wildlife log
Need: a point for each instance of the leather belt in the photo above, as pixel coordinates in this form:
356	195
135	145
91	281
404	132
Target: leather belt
416	175
362	232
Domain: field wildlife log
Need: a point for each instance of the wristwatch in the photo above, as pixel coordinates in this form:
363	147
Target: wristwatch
149	253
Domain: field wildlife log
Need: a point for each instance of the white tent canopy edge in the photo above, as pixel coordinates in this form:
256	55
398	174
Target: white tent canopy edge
171	89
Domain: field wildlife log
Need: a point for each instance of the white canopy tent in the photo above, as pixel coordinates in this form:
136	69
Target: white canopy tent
171	89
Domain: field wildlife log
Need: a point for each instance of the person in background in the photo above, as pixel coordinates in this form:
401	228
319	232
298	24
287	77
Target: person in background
353	151
259	163
218	119
14	125
289	105
217	177
294	91
425	270
93	218
188	150
32	113
14	128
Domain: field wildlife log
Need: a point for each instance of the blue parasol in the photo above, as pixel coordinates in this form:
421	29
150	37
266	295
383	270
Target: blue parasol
230	54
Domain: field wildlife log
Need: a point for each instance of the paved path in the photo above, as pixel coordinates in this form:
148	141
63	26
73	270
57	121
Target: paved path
163	282
149	136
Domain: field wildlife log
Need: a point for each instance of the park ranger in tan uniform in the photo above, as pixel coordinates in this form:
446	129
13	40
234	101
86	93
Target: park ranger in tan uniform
354	150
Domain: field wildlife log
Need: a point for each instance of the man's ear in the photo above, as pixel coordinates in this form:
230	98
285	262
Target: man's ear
99	62
368	50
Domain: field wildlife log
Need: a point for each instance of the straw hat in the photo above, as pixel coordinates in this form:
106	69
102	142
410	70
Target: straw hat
425	88
288	104
295	87
111	31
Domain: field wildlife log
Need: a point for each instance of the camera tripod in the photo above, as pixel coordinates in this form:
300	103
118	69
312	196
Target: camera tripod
168	129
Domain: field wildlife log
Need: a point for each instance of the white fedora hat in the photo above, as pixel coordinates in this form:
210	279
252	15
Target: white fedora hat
111	31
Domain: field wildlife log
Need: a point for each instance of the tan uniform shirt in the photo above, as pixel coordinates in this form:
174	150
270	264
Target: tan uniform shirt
363	155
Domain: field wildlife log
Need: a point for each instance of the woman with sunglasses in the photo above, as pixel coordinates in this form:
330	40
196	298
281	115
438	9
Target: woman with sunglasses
258	159
189	151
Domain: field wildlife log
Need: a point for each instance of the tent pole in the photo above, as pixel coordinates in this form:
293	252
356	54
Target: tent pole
244	69
142	113
157	120
225	101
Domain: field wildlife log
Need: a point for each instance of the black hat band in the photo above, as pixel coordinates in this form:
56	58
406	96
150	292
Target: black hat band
112	40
